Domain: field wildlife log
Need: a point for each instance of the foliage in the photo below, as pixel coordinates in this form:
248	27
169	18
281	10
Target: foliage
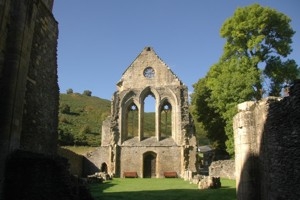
280	72
86	130
64	108
159	188
87	93
253	64
65	138
82	124
207	116
263	35
70	91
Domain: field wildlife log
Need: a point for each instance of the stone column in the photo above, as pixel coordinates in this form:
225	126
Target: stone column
245	156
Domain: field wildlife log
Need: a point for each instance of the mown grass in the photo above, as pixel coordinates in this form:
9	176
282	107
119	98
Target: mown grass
166	189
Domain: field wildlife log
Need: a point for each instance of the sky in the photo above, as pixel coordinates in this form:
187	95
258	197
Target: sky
99	39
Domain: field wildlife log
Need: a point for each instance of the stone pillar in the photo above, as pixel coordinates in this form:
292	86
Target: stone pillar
13	73
245	153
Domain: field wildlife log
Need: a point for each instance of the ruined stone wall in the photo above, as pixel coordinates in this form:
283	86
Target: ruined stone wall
75	161
174	153
40	116
28	79
93	160
267	141
167	159
31	176
223	169
281	148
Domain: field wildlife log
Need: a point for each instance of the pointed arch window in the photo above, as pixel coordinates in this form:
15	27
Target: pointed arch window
149	116
132	121
166	120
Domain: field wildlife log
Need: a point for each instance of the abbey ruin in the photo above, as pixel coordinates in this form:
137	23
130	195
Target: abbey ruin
29	165
267	147
127	146
266	132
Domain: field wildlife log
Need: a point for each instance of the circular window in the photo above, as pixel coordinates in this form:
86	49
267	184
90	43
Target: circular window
149	72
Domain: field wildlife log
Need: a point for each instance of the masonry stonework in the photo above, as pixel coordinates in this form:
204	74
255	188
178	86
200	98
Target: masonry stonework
267	147
148	155
29	94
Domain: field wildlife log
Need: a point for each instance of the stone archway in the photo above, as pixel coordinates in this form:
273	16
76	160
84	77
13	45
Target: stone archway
149	165
103	167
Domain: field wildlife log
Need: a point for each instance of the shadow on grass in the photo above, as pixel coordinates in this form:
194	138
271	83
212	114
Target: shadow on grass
225	193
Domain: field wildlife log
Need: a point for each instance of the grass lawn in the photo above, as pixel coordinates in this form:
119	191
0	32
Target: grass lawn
166	189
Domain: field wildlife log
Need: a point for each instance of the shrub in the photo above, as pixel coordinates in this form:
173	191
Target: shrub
87	93
65	109
64	120
70	91
86	130
65	138
80	139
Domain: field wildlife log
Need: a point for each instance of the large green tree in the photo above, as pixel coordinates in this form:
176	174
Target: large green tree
209	119
253	64
264	36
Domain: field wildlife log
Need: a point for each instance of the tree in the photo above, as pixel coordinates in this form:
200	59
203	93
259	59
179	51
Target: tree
264	36
209	118
87	93
70	91
253	64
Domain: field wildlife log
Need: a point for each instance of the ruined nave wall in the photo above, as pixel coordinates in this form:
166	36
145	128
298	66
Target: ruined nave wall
267	145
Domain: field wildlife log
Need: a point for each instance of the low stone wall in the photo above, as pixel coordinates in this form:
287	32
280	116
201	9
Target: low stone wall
75	161
32	176
223	169
206	182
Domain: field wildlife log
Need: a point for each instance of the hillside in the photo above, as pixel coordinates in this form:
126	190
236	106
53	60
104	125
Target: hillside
80	119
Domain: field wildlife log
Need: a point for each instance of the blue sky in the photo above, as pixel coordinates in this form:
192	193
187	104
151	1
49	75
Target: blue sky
99	39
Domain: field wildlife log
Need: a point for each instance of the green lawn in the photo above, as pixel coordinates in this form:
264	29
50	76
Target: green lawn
166	189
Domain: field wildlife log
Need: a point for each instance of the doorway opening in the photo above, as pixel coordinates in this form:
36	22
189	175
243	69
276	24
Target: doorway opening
149	163
103	167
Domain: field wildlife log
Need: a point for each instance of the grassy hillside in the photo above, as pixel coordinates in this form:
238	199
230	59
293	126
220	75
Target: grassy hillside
80	119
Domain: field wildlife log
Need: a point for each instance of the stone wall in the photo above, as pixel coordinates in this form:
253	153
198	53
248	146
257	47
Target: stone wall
267	141
75	161
93	160
177	151
167	159
40	114
223	169
32	176
29	91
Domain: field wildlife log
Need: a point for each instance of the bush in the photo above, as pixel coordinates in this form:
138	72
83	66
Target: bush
87	93
86	130
65	109
65	138
80	139
69	91
63	120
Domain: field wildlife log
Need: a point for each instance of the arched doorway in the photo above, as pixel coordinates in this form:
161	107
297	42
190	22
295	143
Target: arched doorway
103	167
149	163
